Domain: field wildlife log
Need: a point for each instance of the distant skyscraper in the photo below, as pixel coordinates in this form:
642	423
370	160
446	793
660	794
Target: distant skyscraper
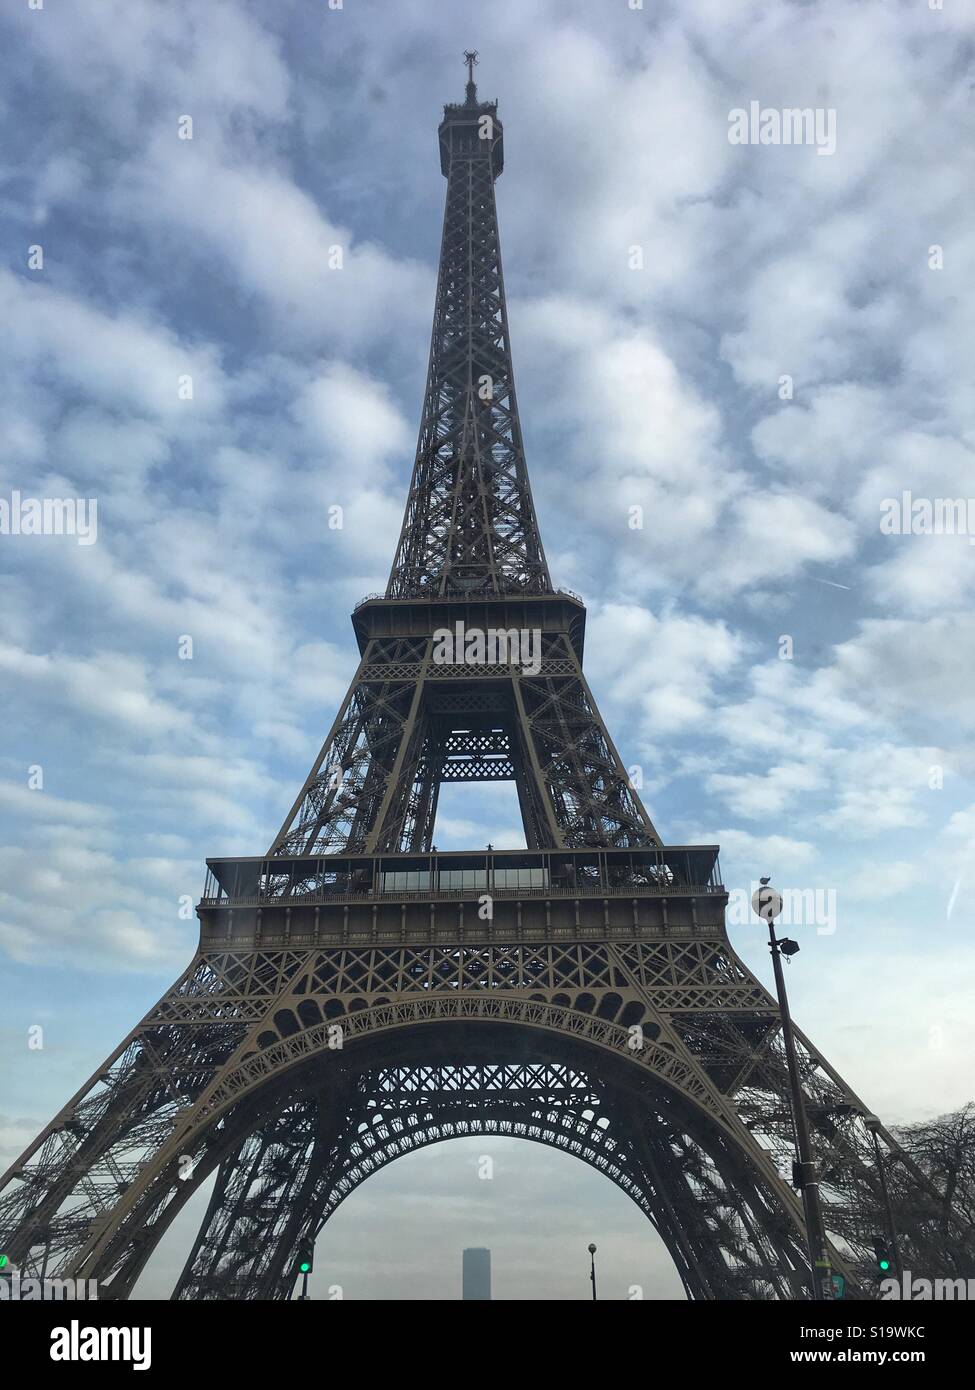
477	1274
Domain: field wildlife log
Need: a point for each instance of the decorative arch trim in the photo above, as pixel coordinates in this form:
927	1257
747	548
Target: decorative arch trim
653	1058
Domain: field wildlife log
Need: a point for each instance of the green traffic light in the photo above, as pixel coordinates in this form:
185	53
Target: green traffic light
3	1262
885	1264
304	1267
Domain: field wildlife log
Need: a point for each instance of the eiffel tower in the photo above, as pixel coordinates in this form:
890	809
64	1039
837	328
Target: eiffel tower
357	994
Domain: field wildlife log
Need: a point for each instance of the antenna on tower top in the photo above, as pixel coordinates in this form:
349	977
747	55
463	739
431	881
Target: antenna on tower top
470	58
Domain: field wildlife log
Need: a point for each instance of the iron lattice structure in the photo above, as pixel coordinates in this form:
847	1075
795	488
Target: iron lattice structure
353	998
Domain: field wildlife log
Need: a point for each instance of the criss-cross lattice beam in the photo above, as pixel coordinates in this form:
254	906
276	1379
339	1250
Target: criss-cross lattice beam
725	1246
470	523
375	783
678	1023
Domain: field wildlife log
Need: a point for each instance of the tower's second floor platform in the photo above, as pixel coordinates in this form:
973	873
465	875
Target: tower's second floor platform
488	895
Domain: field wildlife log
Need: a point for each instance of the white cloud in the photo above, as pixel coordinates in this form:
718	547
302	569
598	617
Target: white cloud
758	795
883	880
925	574
44	805
666	667
120	360
757	854
917	672
109	685
826	436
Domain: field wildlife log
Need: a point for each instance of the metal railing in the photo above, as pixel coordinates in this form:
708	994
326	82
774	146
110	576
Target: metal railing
340	894
679	871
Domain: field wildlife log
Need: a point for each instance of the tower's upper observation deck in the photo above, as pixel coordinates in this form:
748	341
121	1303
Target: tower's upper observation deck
470	129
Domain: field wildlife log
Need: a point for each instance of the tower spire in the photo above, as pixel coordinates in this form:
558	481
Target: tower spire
470	525
470	58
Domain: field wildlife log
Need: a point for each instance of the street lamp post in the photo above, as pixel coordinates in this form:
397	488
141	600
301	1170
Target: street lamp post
592	1269
873	1124
767	903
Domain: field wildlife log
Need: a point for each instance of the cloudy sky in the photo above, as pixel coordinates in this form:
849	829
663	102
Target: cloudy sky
663	283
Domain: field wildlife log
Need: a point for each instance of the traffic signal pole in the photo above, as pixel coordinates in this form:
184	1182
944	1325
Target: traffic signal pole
306	1263
891	1228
